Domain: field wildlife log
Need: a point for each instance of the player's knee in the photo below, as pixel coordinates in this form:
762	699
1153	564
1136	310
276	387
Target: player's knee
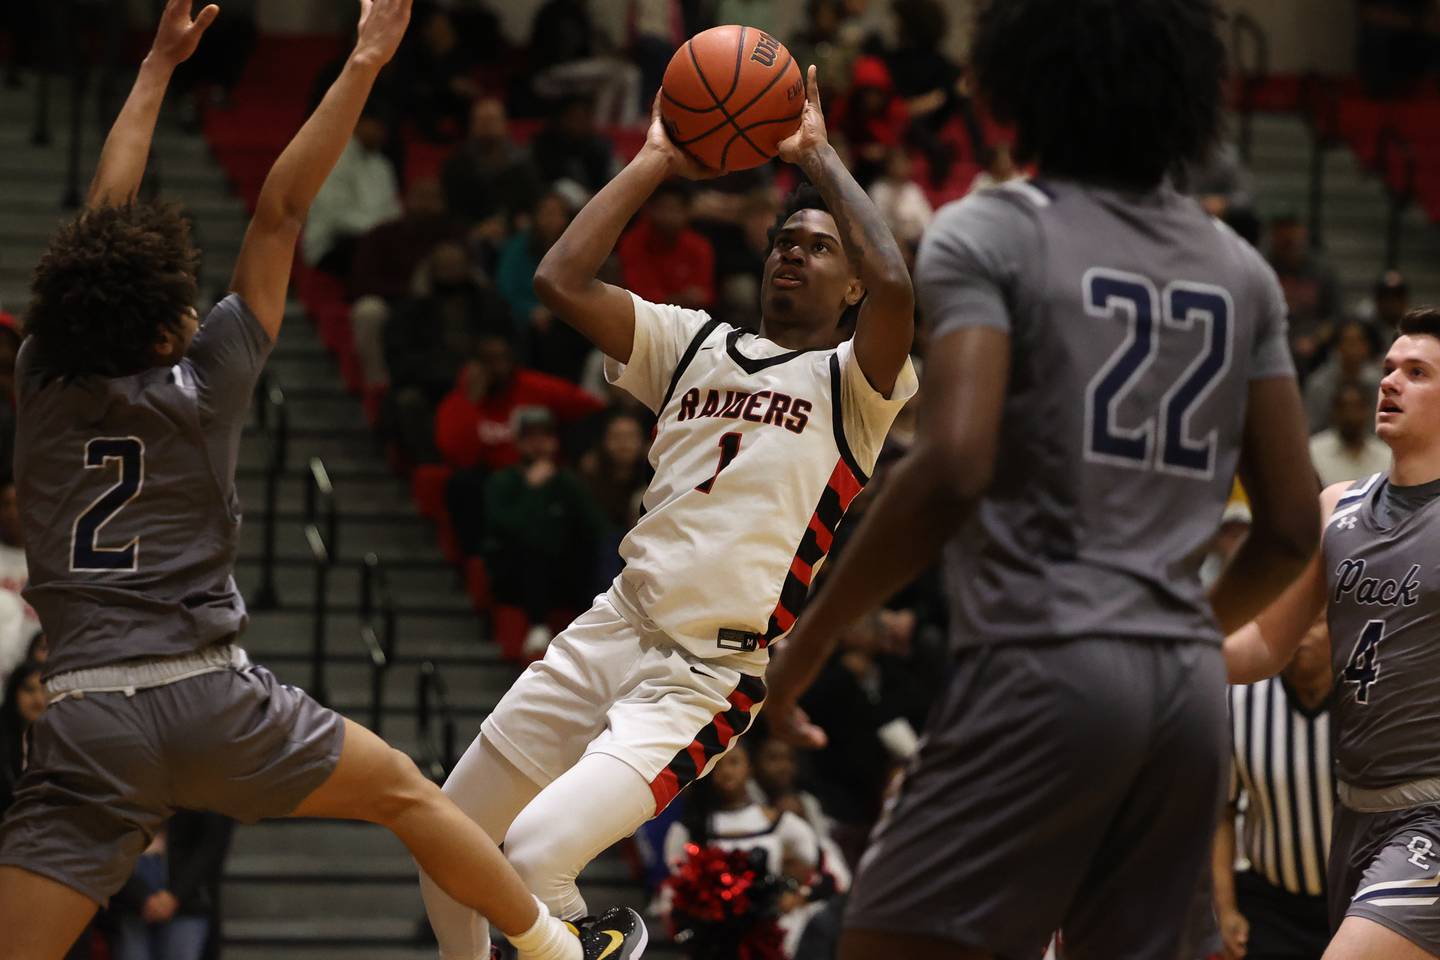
540	853
400	789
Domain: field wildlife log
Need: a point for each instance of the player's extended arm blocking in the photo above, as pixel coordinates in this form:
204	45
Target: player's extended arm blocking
123	158
262	271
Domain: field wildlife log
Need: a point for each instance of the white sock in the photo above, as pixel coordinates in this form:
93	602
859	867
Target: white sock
547	939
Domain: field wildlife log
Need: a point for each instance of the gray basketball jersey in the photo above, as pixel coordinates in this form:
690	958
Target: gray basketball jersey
1136	324
1384	614
127	496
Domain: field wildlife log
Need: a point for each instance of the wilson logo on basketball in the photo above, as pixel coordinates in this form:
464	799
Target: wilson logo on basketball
766	49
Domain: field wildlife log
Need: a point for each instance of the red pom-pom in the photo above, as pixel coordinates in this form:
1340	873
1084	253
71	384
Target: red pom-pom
718	897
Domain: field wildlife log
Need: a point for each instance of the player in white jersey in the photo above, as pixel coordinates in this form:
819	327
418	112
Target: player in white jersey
762	443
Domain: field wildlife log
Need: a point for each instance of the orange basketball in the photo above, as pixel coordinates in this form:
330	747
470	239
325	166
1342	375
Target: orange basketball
730	95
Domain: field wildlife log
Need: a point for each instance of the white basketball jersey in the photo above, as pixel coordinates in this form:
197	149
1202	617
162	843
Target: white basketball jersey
758	453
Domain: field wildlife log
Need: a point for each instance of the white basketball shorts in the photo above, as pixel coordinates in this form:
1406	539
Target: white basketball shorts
607	686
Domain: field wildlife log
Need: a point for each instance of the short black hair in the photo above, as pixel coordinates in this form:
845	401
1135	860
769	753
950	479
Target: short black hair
1424	322
806	196
113	278
1106	91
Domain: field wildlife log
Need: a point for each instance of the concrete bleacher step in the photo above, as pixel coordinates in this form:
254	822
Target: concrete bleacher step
426	634
471	686
392	540
1355	209
384	495
282	875
433	586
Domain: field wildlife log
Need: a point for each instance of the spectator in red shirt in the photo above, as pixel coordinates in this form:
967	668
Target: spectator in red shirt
662	259
872	118
474	426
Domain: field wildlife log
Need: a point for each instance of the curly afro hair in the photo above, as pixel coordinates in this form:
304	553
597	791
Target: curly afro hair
113	278
1108	91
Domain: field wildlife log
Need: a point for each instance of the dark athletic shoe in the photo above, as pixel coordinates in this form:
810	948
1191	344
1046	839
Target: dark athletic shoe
619	934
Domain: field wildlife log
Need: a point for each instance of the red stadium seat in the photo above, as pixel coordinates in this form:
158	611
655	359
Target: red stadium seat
477	584
427	489
373	399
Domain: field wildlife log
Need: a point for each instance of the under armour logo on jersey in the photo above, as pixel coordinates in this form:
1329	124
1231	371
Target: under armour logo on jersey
1420	849
1347	523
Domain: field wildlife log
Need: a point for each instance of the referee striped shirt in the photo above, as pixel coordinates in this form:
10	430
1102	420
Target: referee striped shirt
1282	768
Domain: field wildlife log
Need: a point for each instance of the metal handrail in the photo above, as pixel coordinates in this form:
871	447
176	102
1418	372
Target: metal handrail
437	763
1386	140
273	418
377	631
321	533
1244	27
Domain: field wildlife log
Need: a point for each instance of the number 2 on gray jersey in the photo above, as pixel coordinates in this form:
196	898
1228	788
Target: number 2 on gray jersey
128	453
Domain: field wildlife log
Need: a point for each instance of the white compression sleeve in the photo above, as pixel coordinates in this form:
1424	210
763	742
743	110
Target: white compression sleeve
491	791
598	802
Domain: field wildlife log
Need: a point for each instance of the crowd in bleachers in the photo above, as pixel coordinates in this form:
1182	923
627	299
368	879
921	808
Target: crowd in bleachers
417	264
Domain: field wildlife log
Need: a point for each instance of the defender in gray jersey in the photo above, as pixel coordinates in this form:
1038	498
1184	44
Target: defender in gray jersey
1104	356
1377	578
130	414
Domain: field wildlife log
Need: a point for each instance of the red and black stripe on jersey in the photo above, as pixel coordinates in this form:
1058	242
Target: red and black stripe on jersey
842	489
712	740
846	482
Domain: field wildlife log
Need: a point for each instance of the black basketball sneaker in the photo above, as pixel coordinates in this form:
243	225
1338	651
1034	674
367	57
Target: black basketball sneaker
619	934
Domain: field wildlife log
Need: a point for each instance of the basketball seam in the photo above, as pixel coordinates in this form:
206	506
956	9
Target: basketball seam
739	54
789	59
686	106
758	123
719	105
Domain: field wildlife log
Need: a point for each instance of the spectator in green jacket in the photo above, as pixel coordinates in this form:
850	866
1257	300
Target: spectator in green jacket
541	530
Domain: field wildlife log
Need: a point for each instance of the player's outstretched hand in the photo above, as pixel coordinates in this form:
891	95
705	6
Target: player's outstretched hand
788	722
680	163
178	35
811	135
382	27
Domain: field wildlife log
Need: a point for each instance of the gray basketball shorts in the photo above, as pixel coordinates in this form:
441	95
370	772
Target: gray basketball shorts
105	771
1070	786
1385	867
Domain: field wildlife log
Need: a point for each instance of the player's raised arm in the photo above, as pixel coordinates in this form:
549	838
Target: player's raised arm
566	280
127	148
886	326
931	492
262	271
1262	647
